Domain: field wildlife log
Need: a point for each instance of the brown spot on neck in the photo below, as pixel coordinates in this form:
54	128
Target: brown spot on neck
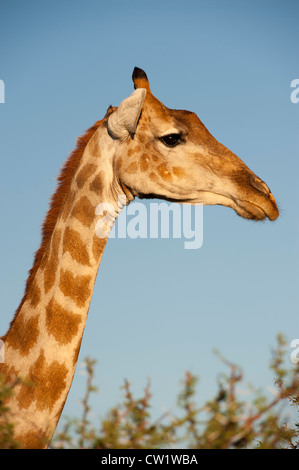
93	146
23	334
97	184
76	353
84	211
61	323
34	294
98	246
50	381
33	440
68	204
84	174
73	243
50	264
76	287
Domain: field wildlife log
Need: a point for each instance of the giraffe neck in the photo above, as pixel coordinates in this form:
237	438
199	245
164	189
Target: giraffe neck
44	339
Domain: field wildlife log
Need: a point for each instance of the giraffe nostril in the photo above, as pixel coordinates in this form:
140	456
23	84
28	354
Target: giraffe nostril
257	183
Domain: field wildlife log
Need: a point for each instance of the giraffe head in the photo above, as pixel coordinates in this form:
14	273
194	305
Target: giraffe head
170	154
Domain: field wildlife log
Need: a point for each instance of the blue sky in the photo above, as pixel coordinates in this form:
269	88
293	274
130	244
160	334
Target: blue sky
158	310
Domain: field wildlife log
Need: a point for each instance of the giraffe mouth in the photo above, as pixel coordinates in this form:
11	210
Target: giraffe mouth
252	211
260	209
264	207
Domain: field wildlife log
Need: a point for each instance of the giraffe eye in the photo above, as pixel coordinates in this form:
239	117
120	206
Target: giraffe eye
171	140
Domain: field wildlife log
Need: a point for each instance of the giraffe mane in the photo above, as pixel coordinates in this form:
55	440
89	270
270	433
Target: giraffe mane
56	203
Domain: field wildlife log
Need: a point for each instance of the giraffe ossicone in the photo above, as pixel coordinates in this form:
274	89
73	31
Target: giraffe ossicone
139	149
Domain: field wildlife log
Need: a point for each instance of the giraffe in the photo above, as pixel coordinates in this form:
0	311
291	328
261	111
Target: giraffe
139	149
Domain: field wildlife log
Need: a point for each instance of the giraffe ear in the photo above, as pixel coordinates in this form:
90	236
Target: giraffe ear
123	121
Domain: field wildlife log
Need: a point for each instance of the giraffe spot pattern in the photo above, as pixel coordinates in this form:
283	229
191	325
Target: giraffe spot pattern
119	163
84	174
164	172
93	146
61	323
155	158
9	373
73	243
153	176
23	334
68	204
52	262
76	353
98	246
46	383
132	168
84	211
133	150
76	287
142	138
34	294
178	171
97	183
32	440
144	163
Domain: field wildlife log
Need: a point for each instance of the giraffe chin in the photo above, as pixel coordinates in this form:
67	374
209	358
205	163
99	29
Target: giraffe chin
255	214
252	211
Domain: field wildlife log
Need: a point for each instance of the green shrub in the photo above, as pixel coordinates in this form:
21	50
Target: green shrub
224	422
